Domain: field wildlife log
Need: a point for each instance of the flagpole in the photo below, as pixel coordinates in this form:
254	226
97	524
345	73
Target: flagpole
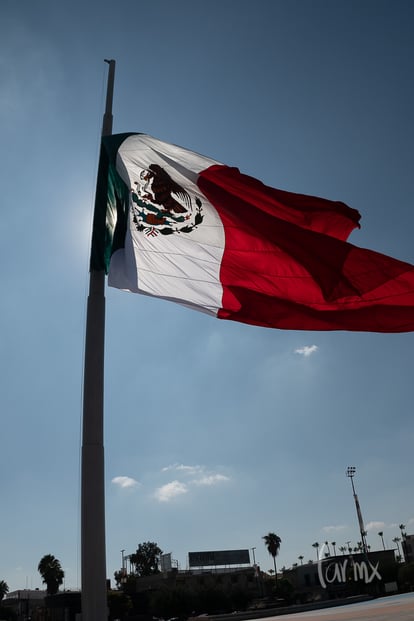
93	552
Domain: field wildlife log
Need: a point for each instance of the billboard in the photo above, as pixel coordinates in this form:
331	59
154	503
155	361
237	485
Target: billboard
218	557
165	562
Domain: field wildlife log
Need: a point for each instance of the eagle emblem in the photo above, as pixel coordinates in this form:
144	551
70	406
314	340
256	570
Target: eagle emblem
161	206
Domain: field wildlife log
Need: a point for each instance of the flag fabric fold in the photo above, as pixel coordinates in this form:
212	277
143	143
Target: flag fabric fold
174	224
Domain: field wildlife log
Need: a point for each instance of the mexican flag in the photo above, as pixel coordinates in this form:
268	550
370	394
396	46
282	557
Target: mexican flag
177	225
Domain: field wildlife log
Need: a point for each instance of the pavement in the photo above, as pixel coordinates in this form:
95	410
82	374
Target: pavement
393	608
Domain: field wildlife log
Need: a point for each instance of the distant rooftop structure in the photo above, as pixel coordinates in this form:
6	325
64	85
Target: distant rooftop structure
408	548
25	594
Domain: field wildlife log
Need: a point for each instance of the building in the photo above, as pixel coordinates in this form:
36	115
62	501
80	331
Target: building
25	603
408	548
222	578
226	573
343	576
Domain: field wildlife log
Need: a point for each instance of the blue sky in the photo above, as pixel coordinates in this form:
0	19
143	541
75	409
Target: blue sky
215	432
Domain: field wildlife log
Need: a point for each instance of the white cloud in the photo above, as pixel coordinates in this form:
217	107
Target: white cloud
125	482
306	350
167	492
190	469
375	526
201	477
182	468
210	479
334	529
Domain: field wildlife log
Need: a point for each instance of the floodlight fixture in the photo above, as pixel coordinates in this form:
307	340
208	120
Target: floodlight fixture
350	471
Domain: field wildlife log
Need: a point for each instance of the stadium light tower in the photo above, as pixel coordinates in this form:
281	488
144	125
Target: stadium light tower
350	473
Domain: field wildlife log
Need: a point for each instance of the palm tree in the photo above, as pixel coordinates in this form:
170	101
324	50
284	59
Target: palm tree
342	549
316	546
402	529
327	545
381	534
4	589
301	559
333	543
52	573
272	543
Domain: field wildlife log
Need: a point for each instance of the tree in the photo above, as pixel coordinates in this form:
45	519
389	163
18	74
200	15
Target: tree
119	604
301	559
119	578
285	590
272	543
172	602
406	576
52	573
316	546
333	543
146	559
4	589
402	529
381	534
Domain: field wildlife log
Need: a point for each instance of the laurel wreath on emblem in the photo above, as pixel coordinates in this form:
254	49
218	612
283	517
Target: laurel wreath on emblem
160	205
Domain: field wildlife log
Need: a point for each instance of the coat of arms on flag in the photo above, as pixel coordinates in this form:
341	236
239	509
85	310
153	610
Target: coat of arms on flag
161	205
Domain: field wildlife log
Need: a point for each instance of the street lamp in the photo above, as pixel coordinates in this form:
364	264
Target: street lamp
350	473
257	573
123	570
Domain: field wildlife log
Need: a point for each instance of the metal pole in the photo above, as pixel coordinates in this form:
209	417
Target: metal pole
93	552
351	473
254	557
